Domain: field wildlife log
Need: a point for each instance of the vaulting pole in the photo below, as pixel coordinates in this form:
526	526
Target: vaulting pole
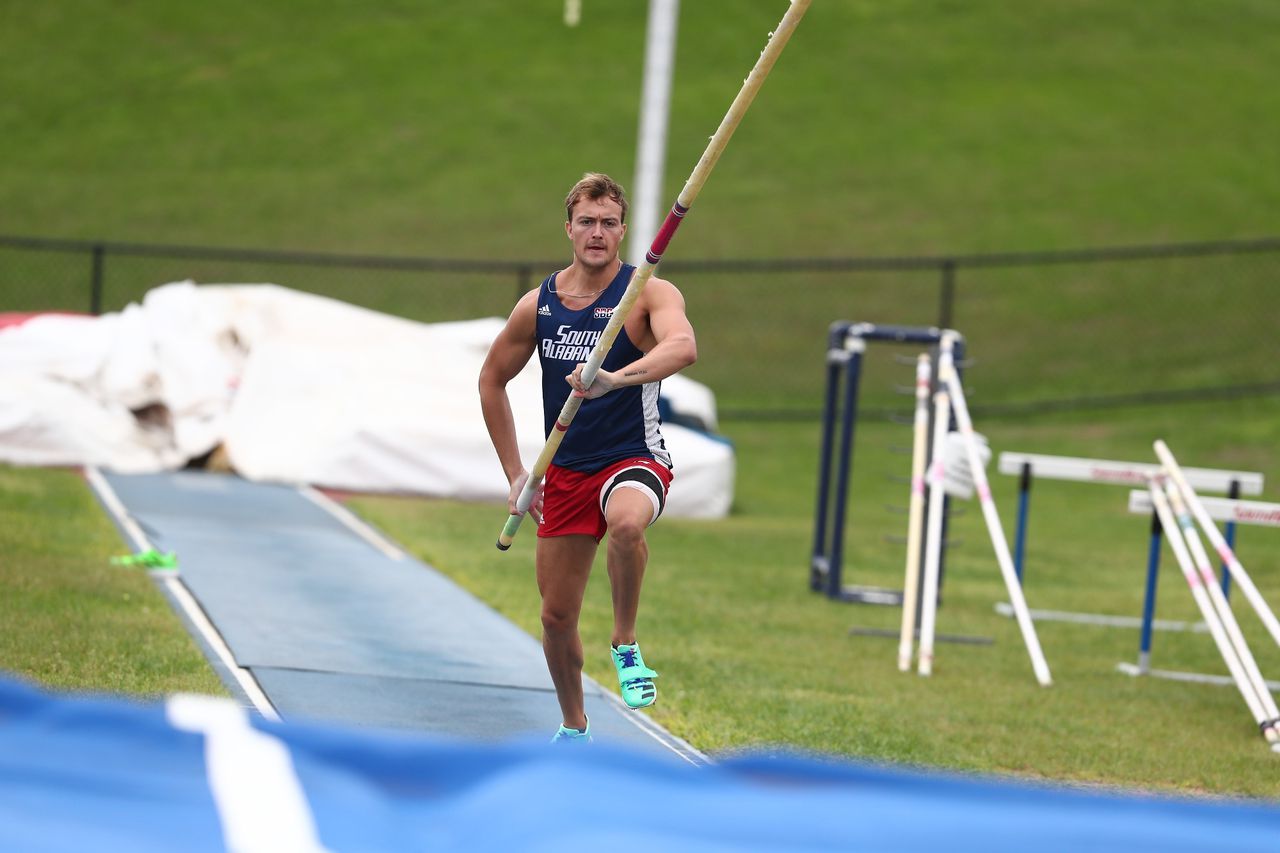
915	512
1212	619
1219	543
1248	664
948	376
936	516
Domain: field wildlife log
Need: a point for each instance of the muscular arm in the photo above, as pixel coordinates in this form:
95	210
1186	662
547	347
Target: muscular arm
507	356
662	331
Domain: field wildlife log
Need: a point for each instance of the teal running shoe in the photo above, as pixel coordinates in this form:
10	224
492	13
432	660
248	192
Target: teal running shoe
580	737
635	679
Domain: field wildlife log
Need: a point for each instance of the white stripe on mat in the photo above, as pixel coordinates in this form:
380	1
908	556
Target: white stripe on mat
260	800
680	747
109	500
182	596
352	522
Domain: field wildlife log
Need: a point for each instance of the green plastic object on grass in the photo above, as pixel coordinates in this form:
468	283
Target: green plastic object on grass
151	559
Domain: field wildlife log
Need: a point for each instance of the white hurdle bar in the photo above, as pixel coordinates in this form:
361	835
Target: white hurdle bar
1028	466
1226	510
1031	465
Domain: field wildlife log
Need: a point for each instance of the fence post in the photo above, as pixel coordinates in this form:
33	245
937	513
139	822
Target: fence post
95	279
524	273
947	293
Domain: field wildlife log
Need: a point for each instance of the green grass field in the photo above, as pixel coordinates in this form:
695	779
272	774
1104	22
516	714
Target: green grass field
751	658
72	621
888	128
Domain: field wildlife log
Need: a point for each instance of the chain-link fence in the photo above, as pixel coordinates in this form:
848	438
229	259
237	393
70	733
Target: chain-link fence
65	275
1065	329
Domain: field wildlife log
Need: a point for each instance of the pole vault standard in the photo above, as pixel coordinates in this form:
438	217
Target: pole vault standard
846	346
773	49
1219	543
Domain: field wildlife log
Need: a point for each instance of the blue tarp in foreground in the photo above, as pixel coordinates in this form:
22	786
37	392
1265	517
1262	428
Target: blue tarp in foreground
194	774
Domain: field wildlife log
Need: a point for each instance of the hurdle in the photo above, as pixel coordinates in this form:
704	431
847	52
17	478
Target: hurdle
846	344
1230	512
1029	466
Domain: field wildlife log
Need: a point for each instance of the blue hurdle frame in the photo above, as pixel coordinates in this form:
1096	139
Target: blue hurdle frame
846	343
1153	572
1153	559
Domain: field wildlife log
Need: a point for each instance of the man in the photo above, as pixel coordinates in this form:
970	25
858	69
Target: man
612	470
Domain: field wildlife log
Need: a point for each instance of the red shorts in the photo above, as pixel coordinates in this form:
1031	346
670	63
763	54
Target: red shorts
573	502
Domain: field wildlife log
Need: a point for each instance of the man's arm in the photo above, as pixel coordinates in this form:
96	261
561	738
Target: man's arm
508	354
662	331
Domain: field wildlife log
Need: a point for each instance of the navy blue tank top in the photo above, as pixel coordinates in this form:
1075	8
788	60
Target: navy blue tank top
623	423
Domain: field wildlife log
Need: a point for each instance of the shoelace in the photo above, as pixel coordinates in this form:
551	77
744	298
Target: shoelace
628	657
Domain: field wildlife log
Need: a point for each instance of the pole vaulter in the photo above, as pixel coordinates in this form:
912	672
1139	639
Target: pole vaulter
777	41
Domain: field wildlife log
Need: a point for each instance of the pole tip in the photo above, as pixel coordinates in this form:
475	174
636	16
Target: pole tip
502	547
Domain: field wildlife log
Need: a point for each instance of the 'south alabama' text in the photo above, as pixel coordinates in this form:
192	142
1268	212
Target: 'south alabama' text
570	345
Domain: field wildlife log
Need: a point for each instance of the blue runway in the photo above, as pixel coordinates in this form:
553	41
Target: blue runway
311	614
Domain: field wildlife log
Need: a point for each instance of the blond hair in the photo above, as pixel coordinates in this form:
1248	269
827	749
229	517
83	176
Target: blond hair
595	185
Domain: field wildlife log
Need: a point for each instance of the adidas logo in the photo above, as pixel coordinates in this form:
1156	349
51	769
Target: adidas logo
544	310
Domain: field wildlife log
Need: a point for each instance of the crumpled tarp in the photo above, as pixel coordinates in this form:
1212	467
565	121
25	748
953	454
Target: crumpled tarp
294	388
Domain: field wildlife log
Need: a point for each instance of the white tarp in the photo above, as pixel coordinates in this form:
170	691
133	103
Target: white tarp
296	388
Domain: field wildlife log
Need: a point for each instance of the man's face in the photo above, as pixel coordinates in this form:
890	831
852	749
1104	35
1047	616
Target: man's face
596	230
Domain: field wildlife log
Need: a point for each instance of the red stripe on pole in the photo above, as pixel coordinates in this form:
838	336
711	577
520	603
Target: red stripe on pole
668	229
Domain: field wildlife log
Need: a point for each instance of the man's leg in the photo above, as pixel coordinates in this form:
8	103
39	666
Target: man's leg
628	513
563	566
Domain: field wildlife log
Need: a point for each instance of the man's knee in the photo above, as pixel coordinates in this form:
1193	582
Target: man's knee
558	620
629	511
627	532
